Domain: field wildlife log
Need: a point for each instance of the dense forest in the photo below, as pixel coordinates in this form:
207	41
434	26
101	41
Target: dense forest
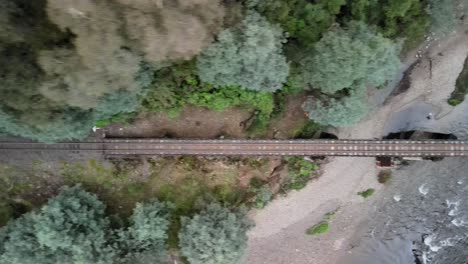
68	65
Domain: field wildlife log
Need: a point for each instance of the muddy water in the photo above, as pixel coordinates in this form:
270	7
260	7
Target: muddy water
422	217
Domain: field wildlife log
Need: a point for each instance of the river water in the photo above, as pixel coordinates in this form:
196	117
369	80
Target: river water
422	217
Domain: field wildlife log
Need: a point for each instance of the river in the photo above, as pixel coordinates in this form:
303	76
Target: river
422	217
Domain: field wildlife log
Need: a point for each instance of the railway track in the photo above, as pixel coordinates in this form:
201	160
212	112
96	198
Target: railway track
161	147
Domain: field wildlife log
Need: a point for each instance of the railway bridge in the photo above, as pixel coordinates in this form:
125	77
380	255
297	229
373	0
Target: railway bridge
318	147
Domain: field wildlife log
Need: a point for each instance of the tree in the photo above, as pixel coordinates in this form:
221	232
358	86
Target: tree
304	20
442	14
144	241
405	19
215	235
70	228
344	57
73	228
48	125
248	55
342	112
66	64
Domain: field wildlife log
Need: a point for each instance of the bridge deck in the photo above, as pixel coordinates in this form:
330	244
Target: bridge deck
155	147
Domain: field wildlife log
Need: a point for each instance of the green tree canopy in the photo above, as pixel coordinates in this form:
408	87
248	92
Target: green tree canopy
442	13
342	112
73	228
70	228
406	19
248	55
66	64
305	21
346	56
145	240
215	235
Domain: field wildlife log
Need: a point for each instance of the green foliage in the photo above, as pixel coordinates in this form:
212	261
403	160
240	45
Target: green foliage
262	197
6	212
121	118
54	86
48	125
405	19
442	12
73	228
117	104
115	185
218	99
70	228
261	191
248	55
172	88
337	112
367	193
319	228
179	86
17	192
345	57
225	97
454	102
215	235
323	225
300	172
145	240
304	21
461	86
330	215
308	130
295	83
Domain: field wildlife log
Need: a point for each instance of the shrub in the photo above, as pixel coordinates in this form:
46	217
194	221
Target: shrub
248	55
344	57
308	130
70	228
337	112
222	98
300	172
454	101
384	176
215	235
263	195
367	193
319	228
179	86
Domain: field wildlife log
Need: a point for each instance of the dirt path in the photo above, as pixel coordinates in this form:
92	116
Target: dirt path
279	235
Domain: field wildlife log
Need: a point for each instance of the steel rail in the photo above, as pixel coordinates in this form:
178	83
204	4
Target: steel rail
332	147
